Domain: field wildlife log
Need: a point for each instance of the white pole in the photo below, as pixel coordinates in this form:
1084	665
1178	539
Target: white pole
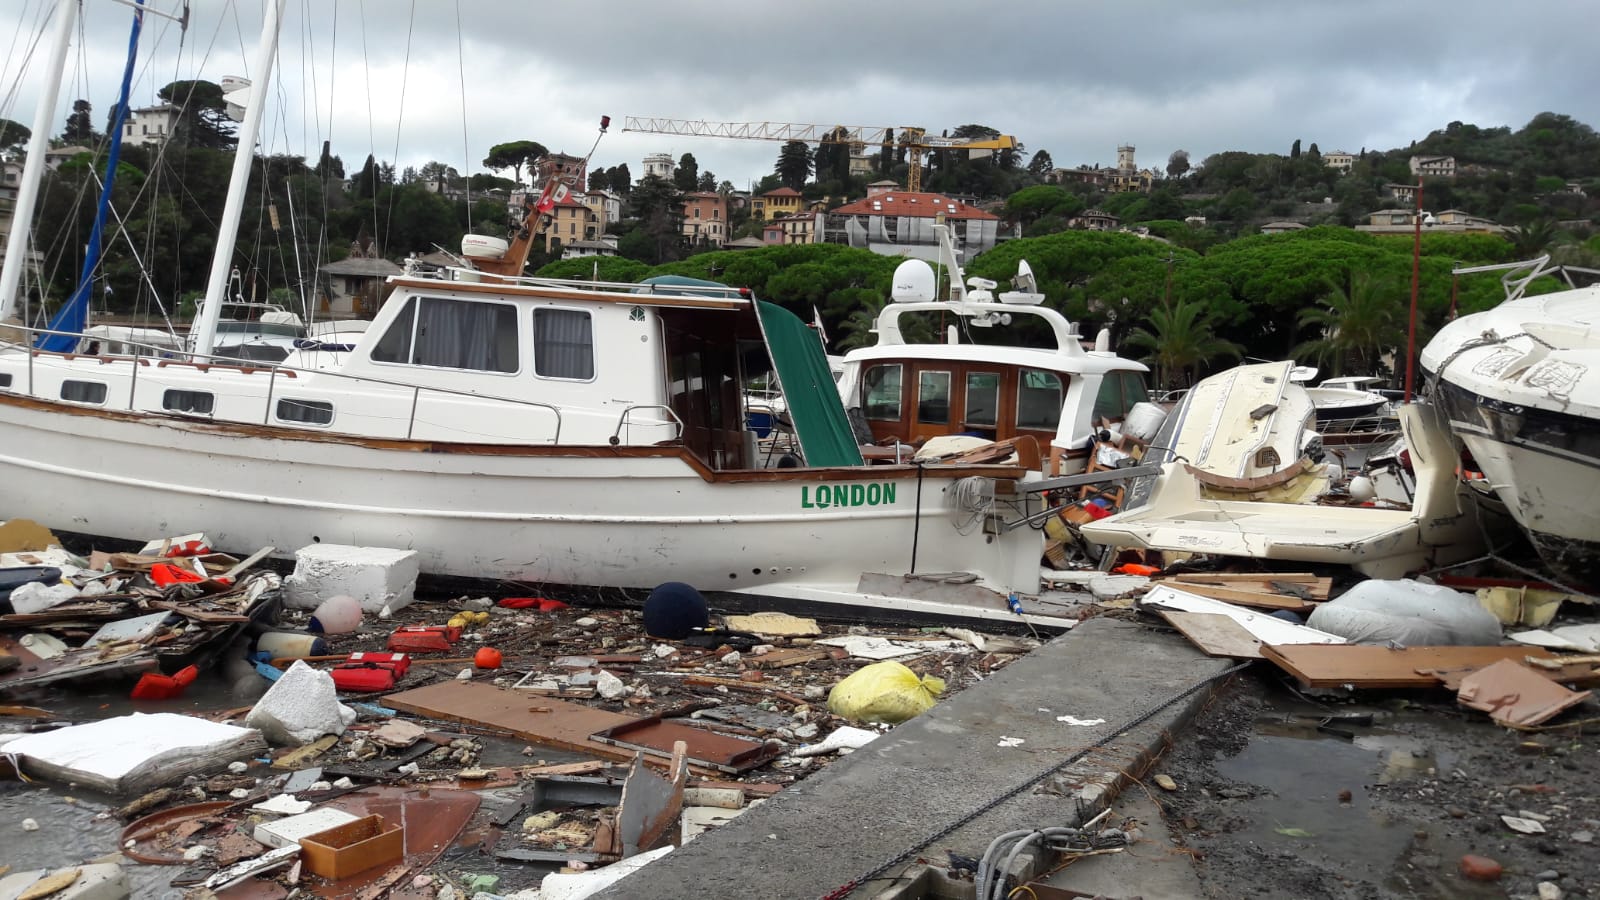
33	169
205	328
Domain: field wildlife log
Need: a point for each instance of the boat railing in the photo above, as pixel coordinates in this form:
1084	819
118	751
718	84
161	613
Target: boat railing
1356	425
623	420
711	291
144	354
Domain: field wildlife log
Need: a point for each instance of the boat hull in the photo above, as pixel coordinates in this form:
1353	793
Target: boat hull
595	516
1538	462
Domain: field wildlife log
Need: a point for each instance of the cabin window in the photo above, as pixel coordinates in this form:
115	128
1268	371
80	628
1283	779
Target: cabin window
563	344
880	389
1134	391
933	398
1039	398
83	391
305	412
5	380
1108	402
983	399
197	402
452	334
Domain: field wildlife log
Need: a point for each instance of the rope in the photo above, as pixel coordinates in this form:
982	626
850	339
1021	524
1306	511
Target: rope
973	495
844	890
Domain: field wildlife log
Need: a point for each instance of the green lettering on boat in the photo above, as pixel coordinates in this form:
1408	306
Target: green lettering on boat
823	496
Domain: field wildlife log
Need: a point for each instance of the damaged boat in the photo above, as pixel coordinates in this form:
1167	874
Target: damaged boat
1520	385
1245	478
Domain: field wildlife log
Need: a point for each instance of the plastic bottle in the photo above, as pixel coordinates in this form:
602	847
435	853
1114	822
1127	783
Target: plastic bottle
290	645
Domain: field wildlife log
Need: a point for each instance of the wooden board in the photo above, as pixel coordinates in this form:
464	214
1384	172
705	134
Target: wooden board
1317	588
572	726
1367	666
1214	634
1243	597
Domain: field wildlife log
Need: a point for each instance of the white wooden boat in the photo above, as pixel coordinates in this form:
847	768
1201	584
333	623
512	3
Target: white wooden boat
1520	384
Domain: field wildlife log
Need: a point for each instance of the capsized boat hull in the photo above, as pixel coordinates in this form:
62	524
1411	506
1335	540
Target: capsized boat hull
625	517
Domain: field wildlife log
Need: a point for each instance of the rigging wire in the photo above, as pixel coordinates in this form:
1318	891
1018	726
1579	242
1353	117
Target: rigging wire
372	141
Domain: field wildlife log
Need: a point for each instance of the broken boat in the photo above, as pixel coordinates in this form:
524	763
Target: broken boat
1520	385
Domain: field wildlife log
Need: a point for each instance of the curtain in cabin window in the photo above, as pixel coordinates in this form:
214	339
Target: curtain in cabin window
563	344
457	334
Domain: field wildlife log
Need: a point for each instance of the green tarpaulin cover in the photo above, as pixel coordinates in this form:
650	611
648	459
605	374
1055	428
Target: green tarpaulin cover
808	387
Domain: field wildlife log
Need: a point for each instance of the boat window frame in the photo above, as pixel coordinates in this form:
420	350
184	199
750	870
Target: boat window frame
415	301
5	381
104	392
1062	382
167	406
594	345
1136	379
277	412
899	400
966	398
949	399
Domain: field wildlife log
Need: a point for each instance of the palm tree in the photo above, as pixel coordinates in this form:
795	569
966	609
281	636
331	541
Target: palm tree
1532	239
1179	338
1360	320
857	328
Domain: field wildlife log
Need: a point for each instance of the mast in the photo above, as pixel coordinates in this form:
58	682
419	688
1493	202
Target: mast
33	169
205	327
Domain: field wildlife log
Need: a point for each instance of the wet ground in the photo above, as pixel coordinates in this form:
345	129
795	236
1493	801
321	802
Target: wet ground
1272	805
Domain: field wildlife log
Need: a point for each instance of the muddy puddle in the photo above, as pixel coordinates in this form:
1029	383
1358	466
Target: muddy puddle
1282	797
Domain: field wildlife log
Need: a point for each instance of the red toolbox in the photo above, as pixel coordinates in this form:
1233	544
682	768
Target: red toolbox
368	672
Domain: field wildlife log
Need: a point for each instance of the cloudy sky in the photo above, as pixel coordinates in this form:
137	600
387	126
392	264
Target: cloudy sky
446	79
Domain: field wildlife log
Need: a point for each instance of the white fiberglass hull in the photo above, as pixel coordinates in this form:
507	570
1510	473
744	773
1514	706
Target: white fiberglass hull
628	518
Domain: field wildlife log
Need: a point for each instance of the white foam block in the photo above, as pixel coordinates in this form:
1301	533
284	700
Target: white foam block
300	707
377	576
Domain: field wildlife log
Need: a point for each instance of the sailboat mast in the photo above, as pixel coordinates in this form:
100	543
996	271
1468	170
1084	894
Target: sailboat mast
205	327
33	169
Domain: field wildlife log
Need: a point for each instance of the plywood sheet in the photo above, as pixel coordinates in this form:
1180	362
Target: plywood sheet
1514	694
1369	666
573	726
1243	594
1215	635
1266	628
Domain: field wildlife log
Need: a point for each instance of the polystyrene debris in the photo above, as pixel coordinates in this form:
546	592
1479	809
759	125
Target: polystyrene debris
300	707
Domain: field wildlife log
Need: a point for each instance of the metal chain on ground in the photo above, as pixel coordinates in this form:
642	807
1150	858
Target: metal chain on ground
844	890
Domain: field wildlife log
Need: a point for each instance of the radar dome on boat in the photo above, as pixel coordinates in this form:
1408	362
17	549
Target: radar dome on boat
482	246
914	282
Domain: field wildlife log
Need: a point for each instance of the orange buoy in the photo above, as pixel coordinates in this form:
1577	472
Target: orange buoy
487	658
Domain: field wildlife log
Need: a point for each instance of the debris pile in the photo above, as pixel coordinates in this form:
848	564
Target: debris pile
563	743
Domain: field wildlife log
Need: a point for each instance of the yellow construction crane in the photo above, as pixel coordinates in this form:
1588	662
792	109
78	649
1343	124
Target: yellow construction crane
909	136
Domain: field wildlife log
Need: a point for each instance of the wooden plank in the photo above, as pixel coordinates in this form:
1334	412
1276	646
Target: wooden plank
1257	599
1214	634
1317	587
1369	666
572	726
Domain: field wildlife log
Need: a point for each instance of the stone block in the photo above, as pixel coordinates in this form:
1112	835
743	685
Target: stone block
376	576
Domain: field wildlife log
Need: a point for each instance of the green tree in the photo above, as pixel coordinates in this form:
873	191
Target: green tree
514	155
13	135
202	115
1180	340
1532	238
80	125
794	164
687	175
619	179
658	238
707	181
1356	323
1041	164
1178	164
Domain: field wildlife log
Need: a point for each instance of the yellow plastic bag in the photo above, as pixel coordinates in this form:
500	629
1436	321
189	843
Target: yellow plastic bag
885	692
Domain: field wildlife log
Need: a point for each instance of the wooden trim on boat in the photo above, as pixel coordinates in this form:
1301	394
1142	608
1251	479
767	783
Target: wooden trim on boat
589	451
1259	483
424	285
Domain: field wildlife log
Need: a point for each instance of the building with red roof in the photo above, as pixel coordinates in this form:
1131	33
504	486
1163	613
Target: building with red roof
898	223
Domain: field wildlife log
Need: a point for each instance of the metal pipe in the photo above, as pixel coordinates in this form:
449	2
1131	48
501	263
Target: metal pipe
33	168
1416	280
205	331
